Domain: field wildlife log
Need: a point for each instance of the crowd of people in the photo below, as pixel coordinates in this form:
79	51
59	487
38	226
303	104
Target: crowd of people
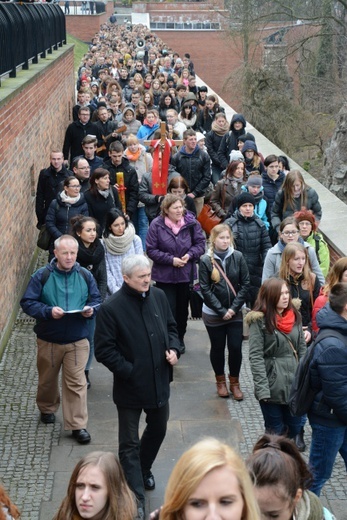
113	230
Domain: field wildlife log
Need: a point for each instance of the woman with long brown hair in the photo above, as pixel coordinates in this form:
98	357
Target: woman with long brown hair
98	491
228	188
276	344
294	195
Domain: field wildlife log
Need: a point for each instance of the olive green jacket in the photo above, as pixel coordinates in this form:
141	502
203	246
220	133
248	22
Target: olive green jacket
272	359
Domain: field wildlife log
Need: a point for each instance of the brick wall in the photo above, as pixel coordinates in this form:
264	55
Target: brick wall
85	27
33	118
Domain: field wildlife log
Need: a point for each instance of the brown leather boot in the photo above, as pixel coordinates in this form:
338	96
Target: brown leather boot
222	386
235	388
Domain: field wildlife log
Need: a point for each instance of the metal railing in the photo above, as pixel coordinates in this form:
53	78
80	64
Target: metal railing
28	32
186	26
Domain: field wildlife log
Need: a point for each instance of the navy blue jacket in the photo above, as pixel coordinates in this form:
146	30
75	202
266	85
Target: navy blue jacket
66	289
328	373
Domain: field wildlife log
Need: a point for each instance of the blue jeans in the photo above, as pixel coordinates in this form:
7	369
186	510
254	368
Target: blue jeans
326	443
279	420
140	222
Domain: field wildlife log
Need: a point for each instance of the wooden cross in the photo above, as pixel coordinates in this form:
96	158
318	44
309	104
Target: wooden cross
161	159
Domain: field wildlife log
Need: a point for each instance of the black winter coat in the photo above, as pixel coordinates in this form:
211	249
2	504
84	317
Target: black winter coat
195	168
74	136
50	183
212	141
98	206
229	141
131	338
271	187
328	371
130	181
252	239
59	215
218	296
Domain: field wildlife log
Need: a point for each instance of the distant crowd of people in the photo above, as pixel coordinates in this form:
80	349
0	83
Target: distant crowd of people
113	229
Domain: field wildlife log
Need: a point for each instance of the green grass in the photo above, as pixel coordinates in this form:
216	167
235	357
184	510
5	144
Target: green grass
79	51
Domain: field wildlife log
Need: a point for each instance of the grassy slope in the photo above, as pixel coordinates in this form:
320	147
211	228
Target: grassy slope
79	51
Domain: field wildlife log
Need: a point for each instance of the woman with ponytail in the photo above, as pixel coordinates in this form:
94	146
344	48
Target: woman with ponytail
224	283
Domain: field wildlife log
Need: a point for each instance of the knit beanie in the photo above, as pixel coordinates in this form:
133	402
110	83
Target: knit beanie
254	180
244	198
236	155
306	214
199	136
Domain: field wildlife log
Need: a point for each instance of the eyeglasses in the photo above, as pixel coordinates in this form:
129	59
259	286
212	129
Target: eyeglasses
290	233
74	186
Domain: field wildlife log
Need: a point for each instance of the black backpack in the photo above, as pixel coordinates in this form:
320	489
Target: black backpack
301	395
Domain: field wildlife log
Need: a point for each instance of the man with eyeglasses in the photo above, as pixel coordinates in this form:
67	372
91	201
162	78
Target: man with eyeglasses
49	184
81	170
139	69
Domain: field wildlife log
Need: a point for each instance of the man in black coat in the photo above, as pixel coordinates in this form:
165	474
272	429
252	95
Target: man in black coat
136	339
118	163
49	184
194	165
75	133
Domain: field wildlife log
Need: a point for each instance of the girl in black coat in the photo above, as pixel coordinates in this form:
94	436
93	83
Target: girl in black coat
69	203
101	197
221	310
219	128
208	114
91	256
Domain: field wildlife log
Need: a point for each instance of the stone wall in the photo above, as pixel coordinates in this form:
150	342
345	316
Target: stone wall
35	109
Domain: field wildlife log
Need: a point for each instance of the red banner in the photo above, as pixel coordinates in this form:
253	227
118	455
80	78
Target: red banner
160	168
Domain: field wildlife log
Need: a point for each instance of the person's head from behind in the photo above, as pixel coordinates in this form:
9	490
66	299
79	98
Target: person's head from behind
97	489
116	223
283	163
209	480
178	186
6	502
338	298
136	271
279	475
65	252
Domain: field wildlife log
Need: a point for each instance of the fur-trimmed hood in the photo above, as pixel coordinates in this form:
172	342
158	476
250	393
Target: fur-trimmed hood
254	316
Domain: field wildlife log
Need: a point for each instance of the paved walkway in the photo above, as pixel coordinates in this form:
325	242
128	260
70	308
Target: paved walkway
36	460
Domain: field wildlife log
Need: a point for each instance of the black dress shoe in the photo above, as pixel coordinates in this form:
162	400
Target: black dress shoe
81	436
148	481
299	441
48	418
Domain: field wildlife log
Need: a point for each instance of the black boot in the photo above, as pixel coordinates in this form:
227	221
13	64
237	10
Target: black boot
299	440
87	378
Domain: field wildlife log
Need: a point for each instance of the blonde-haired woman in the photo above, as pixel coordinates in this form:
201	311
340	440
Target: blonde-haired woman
209	479
224	282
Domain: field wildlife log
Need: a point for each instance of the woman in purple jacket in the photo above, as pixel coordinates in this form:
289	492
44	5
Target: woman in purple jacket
175	243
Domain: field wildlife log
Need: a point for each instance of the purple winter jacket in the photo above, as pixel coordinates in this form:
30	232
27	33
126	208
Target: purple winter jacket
162	245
